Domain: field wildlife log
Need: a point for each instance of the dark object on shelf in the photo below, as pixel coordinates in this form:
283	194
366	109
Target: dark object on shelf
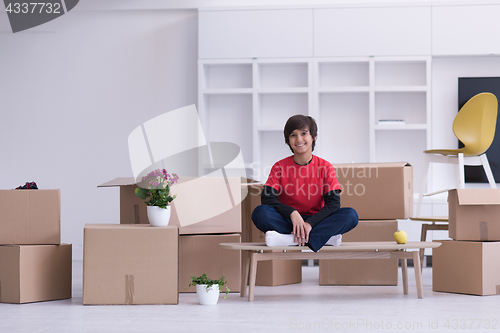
28	186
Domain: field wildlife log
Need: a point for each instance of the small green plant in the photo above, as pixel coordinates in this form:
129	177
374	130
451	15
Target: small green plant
209	282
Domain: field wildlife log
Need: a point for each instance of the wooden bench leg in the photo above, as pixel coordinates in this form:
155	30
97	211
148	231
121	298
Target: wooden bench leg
418	274
253	275
423	237
404	270
245	271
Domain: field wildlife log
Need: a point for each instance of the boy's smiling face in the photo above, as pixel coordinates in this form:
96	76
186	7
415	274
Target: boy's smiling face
301	141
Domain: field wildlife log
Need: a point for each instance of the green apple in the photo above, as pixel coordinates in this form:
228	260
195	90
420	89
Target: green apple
401	237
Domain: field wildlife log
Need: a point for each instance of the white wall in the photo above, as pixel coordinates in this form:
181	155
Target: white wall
73	89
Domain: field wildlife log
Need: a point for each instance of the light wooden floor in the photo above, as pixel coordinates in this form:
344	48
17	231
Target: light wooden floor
301	307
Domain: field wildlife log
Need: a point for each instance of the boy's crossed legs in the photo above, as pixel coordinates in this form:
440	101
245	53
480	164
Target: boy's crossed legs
329	231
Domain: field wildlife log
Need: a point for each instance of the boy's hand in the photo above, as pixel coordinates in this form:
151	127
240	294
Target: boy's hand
301	229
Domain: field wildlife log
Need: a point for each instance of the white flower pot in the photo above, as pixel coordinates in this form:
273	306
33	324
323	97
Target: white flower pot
158	217
207	297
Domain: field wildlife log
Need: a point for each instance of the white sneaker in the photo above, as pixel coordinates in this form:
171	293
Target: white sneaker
274	238
335	240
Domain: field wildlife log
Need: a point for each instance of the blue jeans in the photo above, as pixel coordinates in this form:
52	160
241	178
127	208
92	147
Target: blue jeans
267	218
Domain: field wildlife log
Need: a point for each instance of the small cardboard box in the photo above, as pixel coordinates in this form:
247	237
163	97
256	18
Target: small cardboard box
30	217
130	264
377	191
363	272
466	267
201	254
34	273
474	214
270	272
133	209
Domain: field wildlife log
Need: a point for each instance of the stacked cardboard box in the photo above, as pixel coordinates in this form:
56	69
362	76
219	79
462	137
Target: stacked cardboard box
269	272
380	193
199	250
34	266
468	264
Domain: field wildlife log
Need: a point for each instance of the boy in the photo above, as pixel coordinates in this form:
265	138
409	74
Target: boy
300	200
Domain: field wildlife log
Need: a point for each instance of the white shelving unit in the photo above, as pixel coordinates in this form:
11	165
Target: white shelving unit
251	103
248	102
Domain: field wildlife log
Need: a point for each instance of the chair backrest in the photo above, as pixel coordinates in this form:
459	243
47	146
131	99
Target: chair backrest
475	123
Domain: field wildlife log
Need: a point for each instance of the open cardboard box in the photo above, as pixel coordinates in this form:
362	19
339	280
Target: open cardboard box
474	214
377	191
190	205
34	273
363	272
30	217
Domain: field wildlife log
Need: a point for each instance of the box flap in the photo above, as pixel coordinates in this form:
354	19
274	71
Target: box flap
487	196
378	165
120	181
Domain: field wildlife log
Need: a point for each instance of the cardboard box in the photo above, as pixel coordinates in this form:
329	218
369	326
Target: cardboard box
34	273
133	209
251	191
466	267
474	214
130	264
270	272
363	272
201	254
30	217
377	191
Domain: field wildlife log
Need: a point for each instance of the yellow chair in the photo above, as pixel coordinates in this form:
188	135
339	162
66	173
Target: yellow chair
474	126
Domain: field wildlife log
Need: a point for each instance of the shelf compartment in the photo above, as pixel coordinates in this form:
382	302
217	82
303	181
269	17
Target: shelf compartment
228	76
230	120
402	146
283	75
404	127
344	74
323	90
343	133
400	73
231	91
277	108
409	106
282	90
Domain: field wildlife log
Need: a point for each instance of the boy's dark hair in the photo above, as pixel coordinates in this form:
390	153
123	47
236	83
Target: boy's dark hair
300	122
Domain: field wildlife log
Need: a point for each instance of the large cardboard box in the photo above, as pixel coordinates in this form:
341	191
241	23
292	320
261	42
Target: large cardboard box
466	267
362	272
34	273
30	217
377	191
133	209
201	254
270	272
474	214
130	264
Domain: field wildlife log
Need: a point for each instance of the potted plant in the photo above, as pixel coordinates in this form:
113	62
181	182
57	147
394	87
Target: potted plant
207	289
154	189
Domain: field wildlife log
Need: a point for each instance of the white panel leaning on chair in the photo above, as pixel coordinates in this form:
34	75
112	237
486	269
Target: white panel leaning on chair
474	126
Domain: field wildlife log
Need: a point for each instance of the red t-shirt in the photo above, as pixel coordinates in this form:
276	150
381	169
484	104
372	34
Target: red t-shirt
303	186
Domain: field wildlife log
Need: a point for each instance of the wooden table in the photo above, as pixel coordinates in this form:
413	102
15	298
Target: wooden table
254	252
